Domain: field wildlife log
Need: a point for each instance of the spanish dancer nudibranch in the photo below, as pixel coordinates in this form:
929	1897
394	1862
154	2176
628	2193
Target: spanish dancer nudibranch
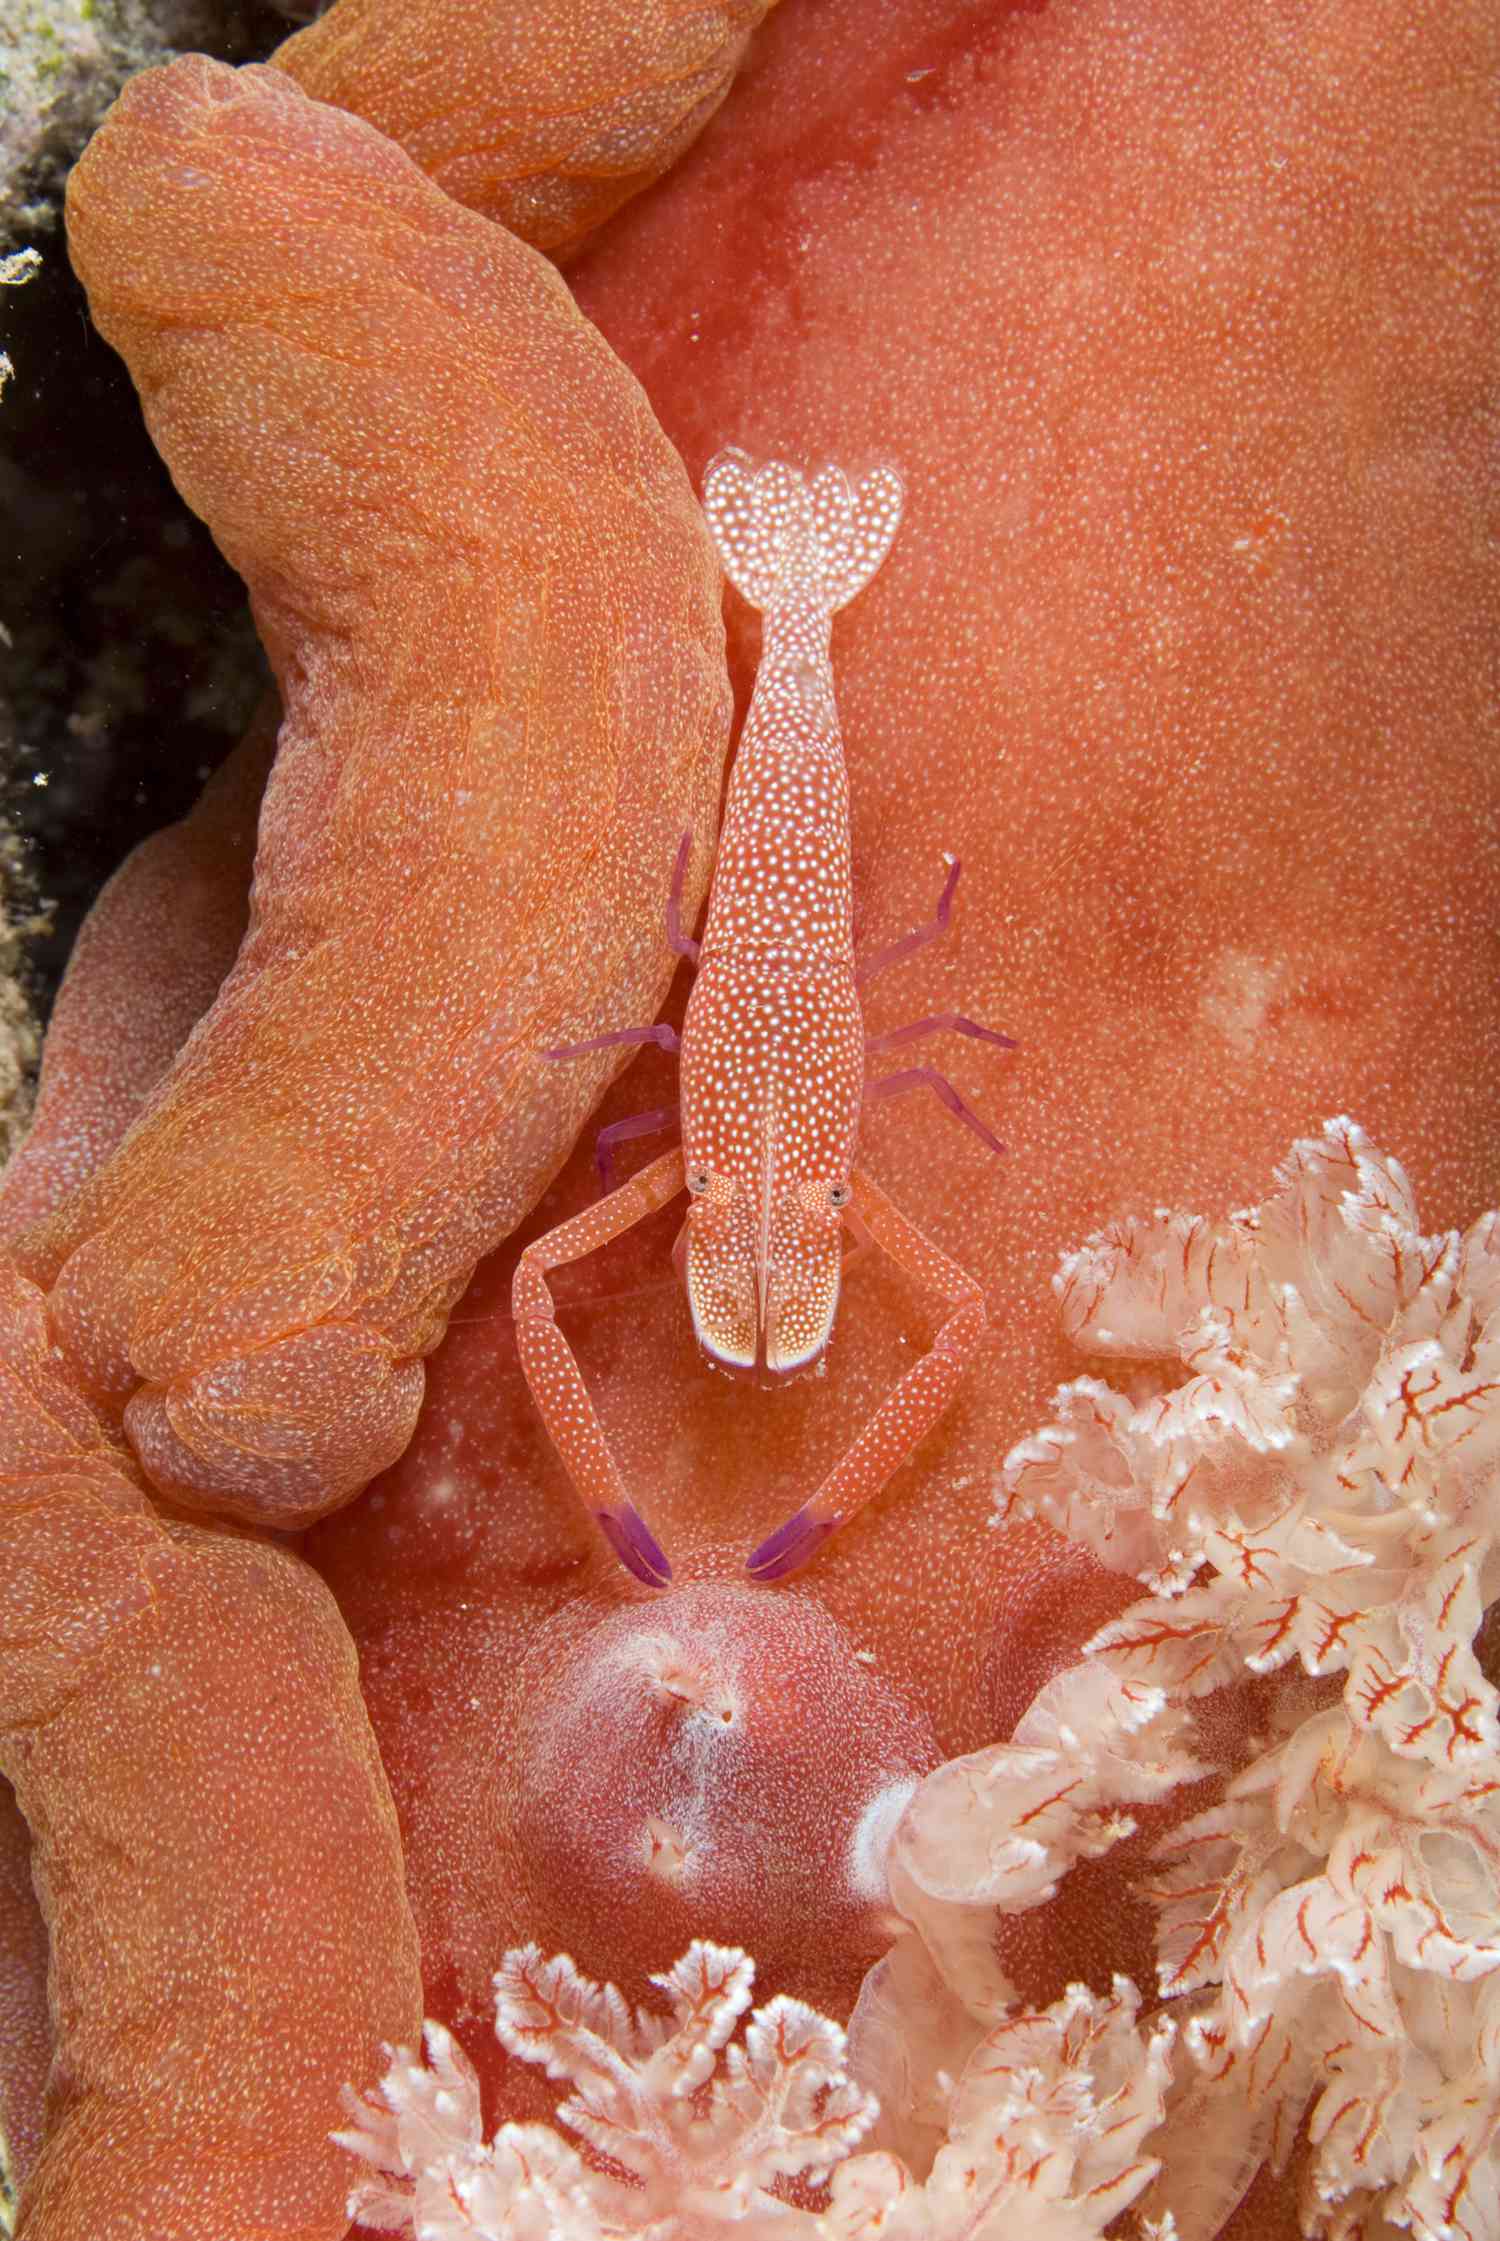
1180	322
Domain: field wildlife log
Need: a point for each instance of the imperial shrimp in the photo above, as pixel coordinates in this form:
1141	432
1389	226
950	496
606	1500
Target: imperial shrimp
773	1048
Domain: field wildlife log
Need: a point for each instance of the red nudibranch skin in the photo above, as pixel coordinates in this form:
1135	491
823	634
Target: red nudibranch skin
494	617
147	963
25	2026
212	1841
1202	711
1179	654
543	114
493	613
1180	649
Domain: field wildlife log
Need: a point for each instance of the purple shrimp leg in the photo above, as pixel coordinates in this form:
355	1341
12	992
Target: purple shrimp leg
957	1023
683	943
928	1077
620	1132
666	1038
919	936
640	1124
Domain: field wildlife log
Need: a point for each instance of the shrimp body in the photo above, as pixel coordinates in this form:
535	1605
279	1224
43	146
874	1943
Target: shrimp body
773	1047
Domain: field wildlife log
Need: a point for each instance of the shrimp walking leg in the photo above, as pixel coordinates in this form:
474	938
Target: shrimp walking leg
552	1371
928	1077
906	1415
919	936
939	1023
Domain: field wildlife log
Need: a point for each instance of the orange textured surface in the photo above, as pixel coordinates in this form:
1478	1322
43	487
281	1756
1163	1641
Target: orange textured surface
25	2030
147	963
491	608
545	115
1180	648
219	1958
1176	323
1180	651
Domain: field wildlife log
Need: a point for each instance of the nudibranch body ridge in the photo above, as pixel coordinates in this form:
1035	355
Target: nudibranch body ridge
475	561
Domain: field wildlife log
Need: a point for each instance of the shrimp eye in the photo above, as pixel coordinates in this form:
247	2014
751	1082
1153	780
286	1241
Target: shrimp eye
697	1181
839	1194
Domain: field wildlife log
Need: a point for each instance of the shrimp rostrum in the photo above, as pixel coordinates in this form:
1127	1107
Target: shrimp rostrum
773	1051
